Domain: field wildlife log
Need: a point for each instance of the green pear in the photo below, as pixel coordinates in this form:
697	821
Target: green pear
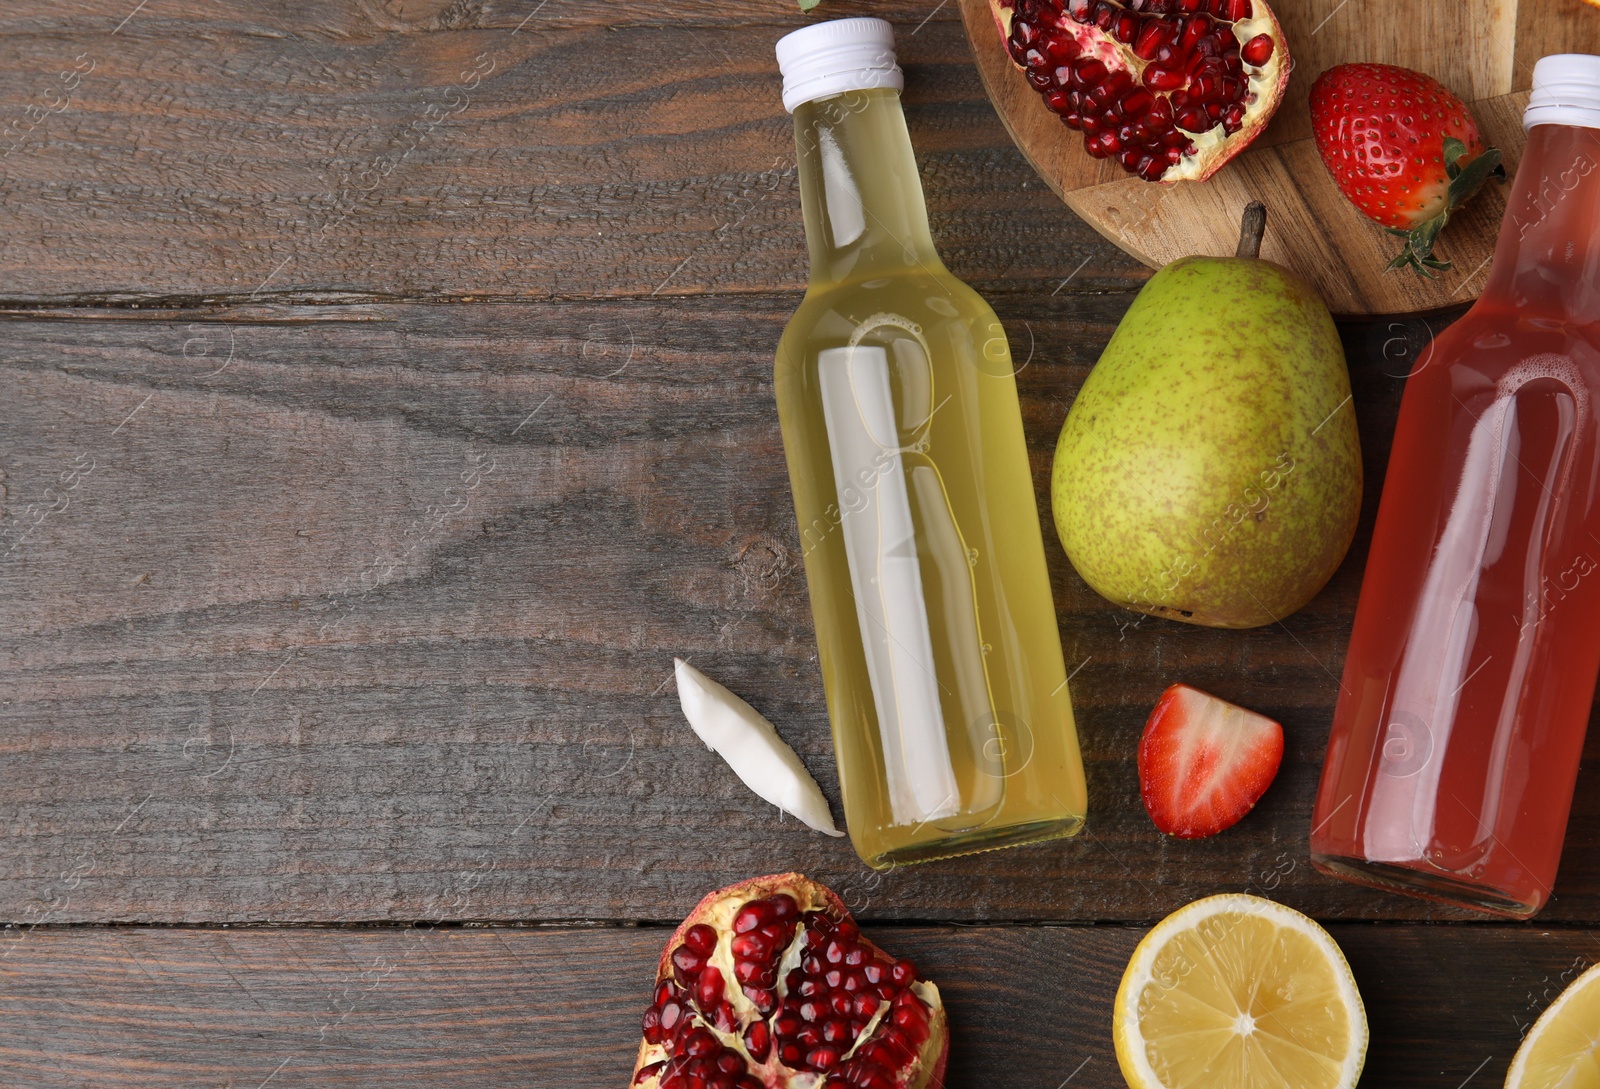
1209	470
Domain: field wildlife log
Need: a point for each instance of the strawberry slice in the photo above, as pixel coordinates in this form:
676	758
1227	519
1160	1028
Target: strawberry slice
1203	762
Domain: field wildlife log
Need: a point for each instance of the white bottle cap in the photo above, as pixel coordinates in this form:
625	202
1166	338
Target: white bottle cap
837	56
1566	91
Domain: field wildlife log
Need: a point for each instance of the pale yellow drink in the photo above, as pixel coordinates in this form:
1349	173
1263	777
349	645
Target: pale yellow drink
937	633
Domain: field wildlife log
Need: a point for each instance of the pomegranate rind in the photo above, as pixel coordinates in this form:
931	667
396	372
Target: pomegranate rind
717	909
1214	148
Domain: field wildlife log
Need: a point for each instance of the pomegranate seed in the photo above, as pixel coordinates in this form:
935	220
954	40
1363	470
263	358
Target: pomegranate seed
1194	119
652	1025
647	1072
752	915
1150	168
1232	89
1080	10
1162	79
757	1041
1205	88
1224	37
1040	80
1257	50
701	938
724	1019
1127	27
855	957
875	1080
1024	34
763	999
1233	118
1136	104
840	1001
812	1008
823	1058
671	1012
1104	13
1198	27
784	907
809	1036
1152	37
1186	6
790	1054
864	1006
836	1030
1061	50
751	946
904	973
1090	72
709	987
1240	9
750	1082
687	962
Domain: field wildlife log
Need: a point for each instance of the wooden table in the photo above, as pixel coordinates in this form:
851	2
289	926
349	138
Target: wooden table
385	399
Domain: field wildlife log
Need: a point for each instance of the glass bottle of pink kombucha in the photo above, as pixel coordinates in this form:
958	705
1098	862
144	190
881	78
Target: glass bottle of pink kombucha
1471	670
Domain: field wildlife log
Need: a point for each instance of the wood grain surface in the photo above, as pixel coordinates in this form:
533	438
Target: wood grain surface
254	150
368	612
1312	228
496	1008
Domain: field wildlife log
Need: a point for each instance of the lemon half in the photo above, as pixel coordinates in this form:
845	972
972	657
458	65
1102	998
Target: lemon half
1238	992
1563	1047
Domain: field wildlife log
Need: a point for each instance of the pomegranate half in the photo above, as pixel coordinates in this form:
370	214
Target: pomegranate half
1171	89
768	984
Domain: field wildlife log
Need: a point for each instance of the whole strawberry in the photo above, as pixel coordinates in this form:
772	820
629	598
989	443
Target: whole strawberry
1403	149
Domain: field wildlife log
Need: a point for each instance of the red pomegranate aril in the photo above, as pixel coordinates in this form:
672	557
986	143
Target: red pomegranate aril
835	1031
1041	80
783	907
809	1036
1127	27
1089	72
1194	119
1152	36
1186	5
652	1025
790	1054
1104	14
1137	103
751	946
701	938
752	916
1163	79
671	1014
864	1006
823	1058
757	1040
1239	9
709	987
647	1072
1257	50
1151	168
904	973
687	962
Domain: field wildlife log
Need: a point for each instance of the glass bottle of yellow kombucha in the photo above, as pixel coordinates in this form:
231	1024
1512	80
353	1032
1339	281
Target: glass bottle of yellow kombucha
936	630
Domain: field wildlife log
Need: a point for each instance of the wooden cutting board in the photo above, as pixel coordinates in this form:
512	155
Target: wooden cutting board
1484	50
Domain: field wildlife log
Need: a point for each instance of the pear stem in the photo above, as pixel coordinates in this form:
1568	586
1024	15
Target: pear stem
1252	225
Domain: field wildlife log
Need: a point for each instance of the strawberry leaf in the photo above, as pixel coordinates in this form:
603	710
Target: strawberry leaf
1464	182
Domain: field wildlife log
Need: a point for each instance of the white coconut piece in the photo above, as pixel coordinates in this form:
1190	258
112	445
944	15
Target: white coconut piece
734	730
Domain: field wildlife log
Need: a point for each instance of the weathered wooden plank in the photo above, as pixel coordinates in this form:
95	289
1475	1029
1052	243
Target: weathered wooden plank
346	148
490	1008
368	612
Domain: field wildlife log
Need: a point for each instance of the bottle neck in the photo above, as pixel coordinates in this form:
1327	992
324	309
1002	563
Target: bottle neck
1547	258
859	188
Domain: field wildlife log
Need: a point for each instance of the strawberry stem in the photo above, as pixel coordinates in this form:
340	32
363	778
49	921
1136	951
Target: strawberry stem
1464	182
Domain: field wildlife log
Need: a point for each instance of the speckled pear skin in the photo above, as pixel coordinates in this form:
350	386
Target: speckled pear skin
1209	470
